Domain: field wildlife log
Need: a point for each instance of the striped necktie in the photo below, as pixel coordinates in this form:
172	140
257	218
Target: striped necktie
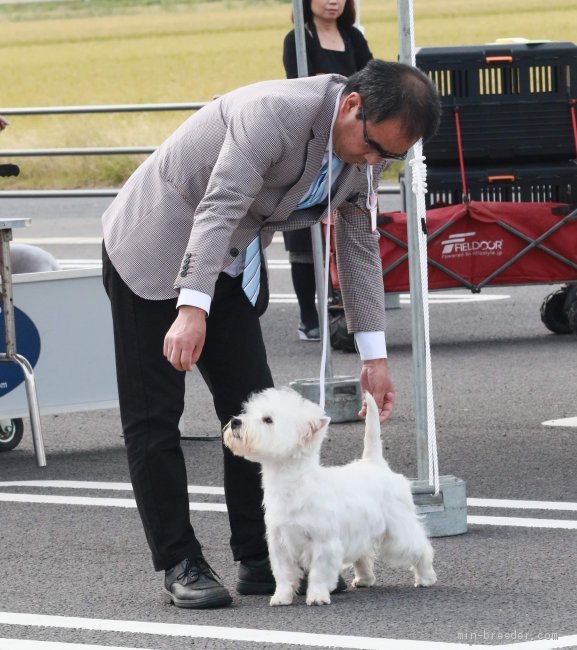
251	273
319	188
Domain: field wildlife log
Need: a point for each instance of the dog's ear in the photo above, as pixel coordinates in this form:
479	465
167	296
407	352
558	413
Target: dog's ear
315	427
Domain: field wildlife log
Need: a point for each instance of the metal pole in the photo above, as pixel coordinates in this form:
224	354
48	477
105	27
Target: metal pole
301	48
415	283
316	230
11	354
7	302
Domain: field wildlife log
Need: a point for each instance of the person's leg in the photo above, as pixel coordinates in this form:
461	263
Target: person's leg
151	394
299	245
303	277
234	365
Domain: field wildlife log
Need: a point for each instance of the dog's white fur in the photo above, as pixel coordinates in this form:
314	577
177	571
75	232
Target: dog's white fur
321	518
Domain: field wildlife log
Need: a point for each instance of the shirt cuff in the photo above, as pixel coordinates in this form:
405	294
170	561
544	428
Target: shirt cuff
371	345
194	299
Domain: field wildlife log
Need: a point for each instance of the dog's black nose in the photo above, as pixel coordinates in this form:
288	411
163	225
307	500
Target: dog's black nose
235	423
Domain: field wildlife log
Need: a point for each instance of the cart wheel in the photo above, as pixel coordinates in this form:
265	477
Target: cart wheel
340	338
554	314
572	316
10	433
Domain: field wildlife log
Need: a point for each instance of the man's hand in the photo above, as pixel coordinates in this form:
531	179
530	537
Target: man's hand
184	340
375	379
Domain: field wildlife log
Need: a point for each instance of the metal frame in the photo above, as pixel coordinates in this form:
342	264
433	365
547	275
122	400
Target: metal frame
476	288
11	355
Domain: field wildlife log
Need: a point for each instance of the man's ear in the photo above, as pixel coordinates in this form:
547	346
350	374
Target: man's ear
352	103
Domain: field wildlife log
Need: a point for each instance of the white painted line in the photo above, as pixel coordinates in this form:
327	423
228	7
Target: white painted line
564	422
28	644
64	241
58	241
522	522
251	635
224	633
94	501
67	265
454	298
221	507
84	263
434	298
567	506
210	489
522	505
405	299
102	485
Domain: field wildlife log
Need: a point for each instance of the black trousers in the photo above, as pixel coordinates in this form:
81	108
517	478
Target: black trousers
151	393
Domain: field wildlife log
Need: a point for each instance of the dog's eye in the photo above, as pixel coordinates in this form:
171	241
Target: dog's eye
267	420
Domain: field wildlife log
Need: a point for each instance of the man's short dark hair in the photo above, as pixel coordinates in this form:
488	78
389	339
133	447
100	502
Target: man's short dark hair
391	89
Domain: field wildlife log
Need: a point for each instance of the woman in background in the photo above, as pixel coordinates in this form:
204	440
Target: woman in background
333	45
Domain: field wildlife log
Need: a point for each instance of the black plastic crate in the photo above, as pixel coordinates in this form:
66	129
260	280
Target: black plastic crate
532	183
514	101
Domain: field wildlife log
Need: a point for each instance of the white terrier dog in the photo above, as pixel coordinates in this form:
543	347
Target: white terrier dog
321	518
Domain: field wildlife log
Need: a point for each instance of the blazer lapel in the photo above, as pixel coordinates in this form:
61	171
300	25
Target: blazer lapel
314	157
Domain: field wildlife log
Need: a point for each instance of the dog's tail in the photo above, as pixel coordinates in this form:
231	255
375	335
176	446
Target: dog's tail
373	448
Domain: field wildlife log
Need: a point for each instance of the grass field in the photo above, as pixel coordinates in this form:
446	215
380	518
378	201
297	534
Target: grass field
126	51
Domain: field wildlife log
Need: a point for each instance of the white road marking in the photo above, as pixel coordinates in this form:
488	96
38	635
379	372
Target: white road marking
58	241
84	263
15	497
55	499
522	505
522	522
405	298
29	644
436	298
564	422
68	264
102	485
65	241
251	635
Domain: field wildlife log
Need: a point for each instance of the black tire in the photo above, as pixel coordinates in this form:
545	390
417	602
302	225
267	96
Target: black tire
554	314
572	316
340	338
11	432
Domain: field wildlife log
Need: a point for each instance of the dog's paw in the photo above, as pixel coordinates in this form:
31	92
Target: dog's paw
359	583
425	579
318	597
281	598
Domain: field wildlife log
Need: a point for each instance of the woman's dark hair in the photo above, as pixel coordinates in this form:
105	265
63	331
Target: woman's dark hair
346	19
389	89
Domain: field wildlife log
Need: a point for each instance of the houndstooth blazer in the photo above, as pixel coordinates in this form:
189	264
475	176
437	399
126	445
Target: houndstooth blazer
238	166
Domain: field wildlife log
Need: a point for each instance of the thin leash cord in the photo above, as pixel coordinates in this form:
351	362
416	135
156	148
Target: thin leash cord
419	187
325	319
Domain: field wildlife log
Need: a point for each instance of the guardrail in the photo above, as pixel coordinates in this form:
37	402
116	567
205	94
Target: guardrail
55	194
97	151
82	110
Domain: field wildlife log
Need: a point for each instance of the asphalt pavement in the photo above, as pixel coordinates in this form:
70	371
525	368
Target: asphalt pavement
76	571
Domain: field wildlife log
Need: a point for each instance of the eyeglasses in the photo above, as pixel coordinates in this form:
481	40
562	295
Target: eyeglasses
375	146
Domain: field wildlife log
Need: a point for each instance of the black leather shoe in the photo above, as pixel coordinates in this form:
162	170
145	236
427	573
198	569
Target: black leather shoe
194	585
255	578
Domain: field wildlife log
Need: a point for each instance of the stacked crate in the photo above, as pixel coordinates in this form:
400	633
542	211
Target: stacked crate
508	130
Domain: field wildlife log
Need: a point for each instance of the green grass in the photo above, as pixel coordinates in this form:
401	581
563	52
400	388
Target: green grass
125	51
